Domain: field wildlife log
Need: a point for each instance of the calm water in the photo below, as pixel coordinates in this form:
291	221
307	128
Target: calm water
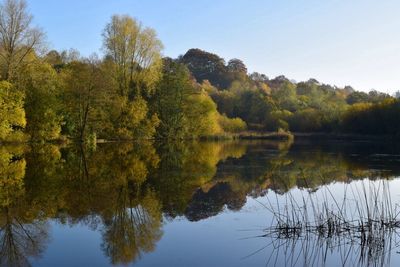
194	204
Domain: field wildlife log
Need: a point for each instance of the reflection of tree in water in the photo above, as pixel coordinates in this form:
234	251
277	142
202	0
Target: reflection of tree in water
135	227
130	213
21	236
281	168
125	189
211	203
275	166
236	177
104	189
75	185
184	167
20	240
12	172
311	166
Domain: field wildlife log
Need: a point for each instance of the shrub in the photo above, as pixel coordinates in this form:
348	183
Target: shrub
234	125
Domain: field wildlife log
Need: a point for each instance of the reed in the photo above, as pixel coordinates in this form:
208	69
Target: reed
364	221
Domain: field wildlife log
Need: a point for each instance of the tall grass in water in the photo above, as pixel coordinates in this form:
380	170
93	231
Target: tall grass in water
361	226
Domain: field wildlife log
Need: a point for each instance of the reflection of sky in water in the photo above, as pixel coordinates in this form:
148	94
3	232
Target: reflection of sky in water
73	246
222	212
216	241
228	239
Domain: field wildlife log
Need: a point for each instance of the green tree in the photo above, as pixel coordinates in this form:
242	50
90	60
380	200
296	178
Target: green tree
236	71
285	96
201	115
308	119
229	125
42	103
136	52
278	120
170	98
357	97
84	96
134	59
253	106
55	60
206	66
368	118
236	65
226	102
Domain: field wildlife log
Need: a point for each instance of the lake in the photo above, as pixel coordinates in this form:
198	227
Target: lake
230	203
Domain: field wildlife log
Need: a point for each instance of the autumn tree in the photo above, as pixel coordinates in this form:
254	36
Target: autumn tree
40	83
83	96
201	115
136	52
133	55
12	113
18	38
206	66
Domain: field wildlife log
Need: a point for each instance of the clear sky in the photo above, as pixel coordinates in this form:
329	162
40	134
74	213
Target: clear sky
344	42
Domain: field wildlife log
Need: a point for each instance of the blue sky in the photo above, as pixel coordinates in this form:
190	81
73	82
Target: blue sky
338	42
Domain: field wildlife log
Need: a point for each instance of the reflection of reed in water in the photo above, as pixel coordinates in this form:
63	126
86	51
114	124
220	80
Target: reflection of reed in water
316	229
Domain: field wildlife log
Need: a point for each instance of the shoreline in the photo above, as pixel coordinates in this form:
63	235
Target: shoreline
273	136
345	137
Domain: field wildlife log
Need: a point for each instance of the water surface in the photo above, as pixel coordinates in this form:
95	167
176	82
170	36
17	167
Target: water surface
191	204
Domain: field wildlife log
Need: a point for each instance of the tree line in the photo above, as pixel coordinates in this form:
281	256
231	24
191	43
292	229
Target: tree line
130	93
133	92
280	103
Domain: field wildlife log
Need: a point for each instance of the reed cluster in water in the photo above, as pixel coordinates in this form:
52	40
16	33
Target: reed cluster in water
363	223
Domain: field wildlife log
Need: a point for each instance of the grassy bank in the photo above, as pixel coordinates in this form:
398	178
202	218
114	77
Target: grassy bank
266	135
344	136
251	135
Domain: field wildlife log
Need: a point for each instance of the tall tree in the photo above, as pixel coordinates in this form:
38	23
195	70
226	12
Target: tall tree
17	37
83	96
170	97
133	55
206	66
236	65
42	103
136	52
